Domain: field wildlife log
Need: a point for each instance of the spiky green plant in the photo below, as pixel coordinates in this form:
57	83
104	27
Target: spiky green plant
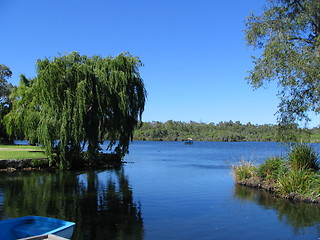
272	168
303	182
303	156
244	170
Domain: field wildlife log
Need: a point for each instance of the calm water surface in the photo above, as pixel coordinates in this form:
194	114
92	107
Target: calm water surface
167	190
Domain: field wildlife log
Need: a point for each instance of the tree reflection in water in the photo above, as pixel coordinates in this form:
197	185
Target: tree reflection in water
298	215
101	203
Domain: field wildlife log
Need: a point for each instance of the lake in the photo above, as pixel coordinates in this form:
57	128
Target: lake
166	190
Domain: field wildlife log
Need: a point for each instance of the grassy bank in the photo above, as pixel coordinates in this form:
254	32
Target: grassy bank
25	157
295	176
21	152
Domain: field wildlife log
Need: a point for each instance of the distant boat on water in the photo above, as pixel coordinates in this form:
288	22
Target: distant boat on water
189	141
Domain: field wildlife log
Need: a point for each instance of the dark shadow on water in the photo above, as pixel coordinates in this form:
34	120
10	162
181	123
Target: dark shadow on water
102	207
298	215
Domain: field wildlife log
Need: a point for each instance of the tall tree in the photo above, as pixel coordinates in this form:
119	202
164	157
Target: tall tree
23	118
288	32
79	101
5	103
5	74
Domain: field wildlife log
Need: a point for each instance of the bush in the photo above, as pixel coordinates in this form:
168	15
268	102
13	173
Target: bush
302	156
295	177
245	170
272	168
299	181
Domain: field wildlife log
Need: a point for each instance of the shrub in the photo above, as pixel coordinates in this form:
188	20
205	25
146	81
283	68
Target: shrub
302	156
272	168
40	162
299	181
245	170
295	177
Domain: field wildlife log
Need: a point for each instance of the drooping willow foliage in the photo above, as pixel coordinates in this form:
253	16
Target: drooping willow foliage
77	102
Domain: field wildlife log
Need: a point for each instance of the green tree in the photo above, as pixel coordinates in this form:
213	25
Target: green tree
79	101
5	103
5	74
23	119
288	32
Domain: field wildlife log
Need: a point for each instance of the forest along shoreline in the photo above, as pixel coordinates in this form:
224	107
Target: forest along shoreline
224	132
295	176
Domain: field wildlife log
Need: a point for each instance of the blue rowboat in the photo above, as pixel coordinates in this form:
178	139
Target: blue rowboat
29	226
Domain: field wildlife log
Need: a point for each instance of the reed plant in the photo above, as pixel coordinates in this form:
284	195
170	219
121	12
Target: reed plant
303	156
272	168
301	182
244	171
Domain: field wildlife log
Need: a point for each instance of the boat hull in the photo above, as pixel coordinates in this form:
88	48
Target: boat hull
29	226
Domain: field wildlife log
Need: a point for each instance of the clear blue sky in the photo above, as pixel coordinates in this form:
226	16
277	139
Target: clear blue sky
194	53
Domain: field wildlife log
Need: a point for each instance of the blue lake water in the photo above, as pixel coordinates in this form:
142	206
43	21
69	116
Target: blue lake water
166	190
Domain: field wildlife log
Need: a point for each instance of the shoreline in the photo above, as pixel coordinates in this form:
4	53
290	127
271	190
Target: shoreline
26	157
269	188
36	164
108	161
24	164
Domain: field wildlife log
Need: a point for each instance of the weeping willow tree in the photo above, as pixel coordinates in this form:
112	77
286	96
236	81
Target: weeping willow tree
80	101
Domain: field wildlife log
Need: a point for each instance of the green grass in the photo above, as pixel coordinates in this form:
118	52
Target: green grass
302	156
21	147
272	168
243	171
21	152
301	182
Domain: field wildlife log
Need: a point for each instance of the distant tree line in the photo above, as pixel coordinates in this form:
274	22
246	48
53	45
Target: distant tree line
223	131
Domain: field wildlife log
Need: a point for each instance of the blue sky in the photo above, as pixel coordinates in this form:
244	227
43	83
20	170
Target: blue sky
194	52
